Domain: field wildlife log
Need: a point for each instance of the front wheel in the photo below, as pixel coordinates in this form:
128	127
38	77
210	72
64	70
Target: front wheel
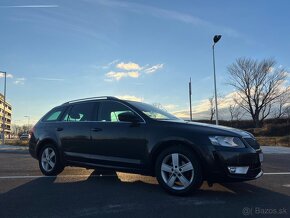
178	171
49	161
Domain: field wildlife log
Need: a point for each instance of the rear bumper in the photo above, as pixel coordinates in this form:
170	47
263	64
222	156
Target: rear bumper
32	150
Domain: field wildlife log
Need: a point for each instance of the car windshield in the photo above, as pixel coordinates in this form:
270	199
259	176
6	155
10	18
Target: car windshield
153	112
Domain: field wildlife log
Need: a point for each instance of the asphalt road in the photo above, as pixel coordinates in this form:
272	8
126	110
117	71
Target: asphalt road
78	192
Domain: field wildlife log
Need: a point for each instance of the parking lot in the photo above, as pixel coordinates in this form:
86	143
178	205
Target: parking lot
78	192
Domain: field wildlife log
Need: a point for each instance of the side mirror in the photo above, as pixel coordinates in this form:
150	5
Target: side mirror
128	117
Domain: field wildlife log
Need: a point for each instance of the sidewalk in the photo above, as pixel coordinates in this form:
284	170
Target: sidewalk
13	148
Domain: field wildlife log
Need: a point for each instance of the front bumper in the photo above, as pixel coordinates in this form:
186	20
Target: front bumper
233	164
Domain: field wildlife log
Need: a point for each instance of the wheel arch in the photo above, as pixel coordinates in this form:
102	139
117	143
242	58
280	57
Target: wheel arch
177	142
44	142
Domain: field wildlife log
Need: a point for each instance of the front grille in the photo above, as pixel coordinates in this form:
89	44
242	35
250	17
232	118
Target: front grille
252	142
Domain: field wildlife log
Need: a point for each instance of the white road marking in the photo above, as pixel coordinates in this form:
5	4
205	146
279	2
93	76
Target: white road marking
286	185
62	176
278	173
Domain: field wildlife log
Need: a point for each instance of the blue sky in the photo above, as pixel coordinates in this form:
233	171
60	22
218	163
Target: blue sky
57	50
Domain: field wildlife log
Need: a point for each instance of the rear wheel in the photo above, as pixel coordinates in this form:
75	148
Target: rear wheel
178	171
49	161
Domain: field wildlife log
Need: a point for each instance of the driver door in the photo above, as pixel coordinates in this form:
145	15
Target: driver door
115	142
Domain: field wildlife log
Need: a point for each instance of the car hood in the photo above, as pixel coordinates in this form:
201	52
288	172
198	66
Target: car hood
240	132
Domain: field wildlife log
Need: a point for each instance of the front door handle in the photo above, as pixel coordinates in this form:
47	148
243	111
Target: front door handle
59	129
96	129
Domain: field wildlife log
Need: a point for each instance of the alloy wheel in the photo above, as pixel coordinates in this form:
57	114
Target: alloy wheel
177	171
48	159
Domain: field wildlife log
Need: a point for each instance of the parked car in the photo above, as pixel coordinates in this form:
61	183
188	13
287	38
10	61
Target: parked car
24	136
129	136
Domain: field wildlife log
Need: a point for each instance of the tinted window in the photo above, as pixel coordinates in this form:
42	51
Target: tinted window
53	115
80	112
110	110
153	112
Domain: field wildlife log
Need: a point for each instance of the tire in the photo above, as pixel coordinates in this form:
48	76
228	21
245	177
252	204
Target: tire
178	171
49	160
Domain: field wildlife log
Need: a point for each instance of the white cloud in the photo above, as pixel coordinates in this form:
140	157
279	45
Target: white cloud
119	75
116	75
201	109
30	6
170	107
133	74
49	79
19	81
128	66
131	98
110	64
183	114
106	66
154	68
113	62
129	69
8	75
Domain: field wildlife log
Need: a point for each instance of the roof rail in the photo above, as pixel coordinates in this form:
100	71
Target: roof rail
88	99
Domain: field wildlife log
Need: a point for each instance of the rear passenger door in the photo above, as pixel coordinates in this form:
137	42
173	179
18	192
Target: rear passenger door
74	130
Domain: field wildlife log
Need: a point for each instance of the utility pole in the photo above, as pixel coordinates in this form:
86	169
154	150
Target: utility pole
190	108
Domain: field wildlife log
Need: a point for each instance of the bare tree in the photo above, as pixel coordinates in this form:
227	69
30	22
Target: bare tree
159	106
211	107
220	99
235	112
258	85
282	105
17	130
287	114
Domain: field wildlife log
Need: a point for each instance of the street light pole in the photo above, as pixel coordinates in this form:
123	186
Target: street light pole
4	108
216	38
190	108
28	121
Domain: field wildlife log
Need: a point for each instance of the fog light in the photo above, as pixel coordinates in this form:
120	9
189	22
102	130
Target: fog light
238	170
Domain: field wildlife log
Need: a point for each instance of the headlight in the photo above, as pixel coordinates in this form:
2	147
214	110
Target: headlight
226	141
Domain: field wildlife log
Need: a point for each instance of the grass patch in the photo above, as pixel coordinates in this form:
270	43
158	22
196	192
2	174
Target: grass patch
274	141
16	142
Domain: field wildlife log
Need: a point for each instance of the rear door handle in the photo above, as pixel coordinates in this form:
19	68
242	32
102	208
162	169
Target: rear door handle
96	129
59	129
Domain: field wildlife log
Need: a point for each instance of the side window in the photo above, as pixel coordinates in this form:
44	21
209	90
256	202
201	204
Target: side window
53	115
80	112
110	110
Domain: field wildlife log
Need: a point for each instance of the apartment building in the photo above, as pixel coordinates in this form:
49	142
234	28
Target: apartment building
8	114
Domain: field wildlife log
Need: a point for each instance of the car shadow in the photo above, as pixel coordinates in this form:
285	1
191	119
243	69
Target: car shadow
107	193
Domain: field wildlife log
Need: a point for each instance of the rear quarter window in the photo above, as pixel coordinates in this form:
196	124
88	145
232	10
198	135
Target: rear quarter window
54	115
